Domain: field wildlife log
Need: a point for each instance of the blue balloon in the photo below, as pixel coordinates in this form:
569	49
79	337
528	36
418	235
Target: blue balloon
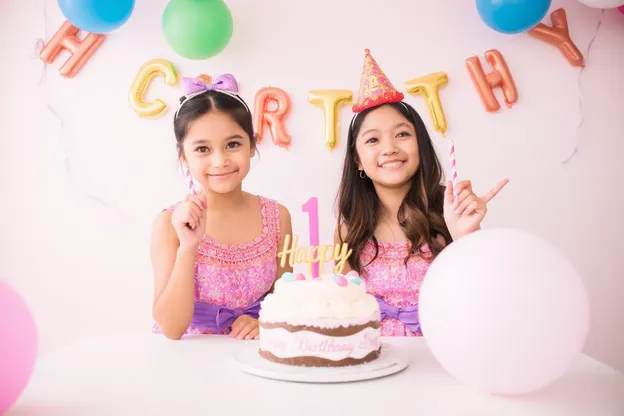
512	16
97	16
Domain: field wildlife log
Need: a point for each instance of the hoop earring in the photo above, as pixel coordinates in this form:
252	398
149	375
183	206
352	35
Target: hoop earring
362	174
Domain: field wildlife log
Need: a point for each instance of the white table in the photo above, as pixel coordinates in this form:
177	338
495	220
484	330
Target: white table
147	374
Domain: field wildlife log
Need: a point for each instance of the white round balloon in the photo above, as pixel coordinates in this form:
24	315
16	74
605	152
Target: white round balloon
603	4
504	311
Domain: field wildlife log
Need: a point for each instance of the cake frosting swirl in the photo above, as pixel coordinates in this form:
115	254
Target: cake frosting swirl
331	297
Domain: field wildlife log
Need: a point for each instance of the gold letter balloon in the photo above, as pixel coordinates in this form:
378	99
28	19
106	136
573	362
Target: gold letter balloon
429	86
330	100
142	81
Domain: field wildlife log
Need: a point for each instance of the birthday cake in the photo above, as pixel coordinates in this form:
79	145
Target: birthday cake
320	322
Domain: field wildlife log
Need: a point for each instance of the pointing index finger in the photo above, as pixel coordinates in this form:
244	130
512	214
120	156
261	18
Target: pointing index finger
494	191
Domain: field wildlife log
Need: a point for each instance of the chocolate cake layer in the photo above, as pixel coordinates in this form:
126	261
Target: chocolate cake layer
340	331
319	362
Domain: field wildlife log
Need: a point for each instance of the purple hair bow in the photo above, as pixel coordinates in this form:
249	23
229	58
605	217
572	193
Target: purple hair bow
407	315
217	318
225	82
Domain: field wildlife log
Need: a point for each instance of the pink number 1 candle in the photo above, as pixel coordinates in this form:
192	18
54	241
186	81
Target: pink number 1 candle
311	207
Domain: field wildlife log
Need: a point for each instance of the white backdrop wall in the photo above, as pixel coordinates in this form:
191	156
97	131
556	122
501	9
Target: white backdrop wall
83	177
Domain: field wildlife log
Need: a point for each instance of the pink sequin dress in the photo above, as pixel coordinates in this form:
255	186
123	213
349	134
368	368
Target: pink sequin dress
388	278
235	276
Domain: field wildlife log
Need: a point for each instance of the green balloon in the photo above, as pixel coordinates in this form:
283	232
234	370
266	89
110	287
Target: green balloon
197	29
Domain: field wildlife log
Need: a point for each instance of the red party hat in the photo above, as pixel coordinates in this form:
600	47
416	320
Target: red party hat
375	87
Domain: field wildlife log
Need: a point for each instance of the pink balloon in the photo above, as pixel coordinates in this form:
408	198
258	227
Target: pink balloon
621	9
504	311
18	348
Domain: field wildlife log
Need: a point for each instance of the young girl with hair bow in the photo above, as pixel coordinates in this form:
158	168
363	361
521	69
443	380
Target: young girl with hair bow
214	255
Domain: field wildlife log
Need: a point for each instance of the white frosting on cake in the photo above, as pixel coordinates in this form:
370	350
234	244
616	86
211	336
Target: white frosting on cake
284	344
323	301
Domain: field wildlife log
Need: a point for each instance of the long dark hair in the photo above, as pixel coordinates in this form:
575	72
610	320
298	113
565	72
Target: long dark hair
420	215
211	101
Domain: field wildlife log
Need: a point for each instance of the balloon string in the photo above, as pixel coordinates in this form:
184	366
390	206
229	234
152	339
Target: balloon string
582	115
39	44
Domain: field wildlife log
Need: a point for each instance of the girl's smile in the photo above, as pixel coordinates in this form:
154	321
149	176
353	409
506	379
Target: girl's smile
391	164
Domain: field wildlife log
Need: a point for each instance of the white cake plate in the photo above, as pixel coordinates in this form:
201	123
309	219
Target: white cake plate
392	359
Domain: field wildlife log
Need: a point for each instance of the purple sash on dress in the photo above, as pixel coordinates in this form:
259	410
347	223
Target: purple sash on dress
407	315
207	317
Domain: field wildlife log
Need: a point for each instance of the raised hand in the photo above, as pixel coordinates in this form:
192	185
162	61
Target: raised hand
189	220
463	214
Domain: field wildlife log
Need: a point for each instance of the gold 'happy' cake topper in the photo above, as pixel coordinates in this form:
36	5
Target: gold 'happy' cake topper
313	254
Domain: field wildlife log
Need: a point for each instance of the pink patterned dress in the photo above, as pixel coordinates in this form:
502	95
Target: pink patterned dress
235	276
388	278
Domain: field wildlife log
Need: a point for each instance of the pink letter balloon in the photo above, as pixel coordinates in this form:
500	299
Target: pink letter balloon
504	311
18	348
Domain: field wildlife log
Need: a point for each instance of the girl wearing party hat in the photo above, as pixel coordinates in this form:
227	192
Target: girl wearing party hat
214	255
393	210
